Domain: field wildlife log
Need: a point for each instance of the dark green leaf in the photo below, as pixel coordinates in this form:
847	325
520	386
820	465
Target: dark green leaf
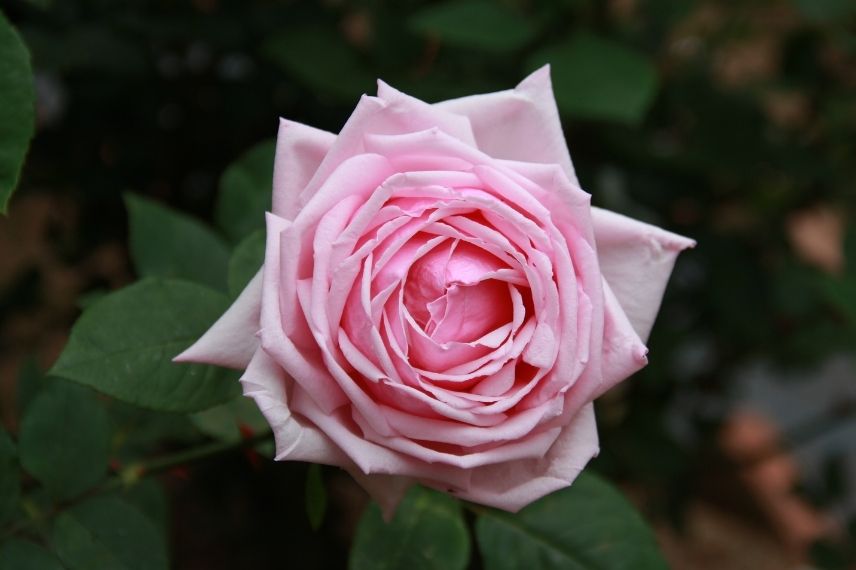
245	192
320	58
479	24
123	346
25	555
596	78
166	243
65	439
246	261
107	533
138	431
31	380
427	532
10	477
316	496
88	298
588	526
17	120
148	497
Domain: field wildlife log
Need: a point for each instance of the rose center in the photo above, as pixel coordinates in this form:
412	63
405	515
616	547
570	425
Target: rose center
451	294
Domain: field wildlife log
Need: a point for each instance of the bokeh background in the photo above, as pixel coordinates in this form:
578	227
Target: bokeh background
733	122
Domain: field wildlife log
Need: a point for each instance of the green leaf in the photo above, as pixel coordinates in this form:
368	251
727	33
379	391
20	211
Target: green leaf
246	261
65	439
316	496
10	477
587	526
25	555
166	243
17	114
320	58
224	422
123	346
148	497
106	532
30	381
478	24
245	192
596	78
427	532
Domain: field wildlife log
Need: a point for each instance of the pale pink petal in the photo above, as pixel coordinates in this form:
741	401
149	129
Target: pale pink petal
623	351
531	446
289	341
518	124
511	486
299	151
369	456
298	440
636	260
415	115
232	340
397	114
267	383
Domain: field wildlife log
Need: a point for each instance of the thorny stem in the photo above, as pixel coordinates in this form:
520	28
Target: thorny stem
129	476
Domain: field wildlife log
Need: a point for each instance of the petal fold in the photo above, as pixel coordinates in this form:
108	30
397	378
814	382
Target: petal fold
232	340
636	259
518	124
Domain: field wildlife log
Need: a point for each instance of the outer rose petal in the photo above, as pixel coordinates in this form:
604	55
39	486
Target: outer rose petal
299	151
232	340
391	113
636	260
518	124
511	486
265	382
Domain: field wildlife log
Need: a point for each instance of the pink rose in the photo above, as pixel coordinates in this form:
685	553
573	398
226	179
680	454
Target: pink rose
439	301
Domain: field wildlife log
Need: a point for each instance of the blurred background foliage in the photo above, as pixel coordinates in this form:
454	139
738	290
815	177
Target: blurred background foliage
733	122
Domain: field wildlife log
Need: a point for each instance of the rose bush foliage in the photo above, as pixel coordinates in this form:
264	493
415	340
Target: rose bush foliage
439	302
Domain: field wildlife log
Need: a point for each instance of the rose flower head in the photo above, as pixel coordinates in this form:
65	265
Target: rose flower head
439	302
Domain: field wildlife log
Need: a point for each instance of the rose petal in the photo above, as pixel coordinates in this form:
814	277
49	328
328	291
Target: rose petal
518	124
636	260
411	114
299	151
298	440
267	384
511	486
369	456
623	351
232	340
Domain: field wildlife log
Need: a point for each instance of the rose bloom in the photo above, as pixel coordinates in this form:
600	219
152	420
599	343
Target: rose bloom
439	302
